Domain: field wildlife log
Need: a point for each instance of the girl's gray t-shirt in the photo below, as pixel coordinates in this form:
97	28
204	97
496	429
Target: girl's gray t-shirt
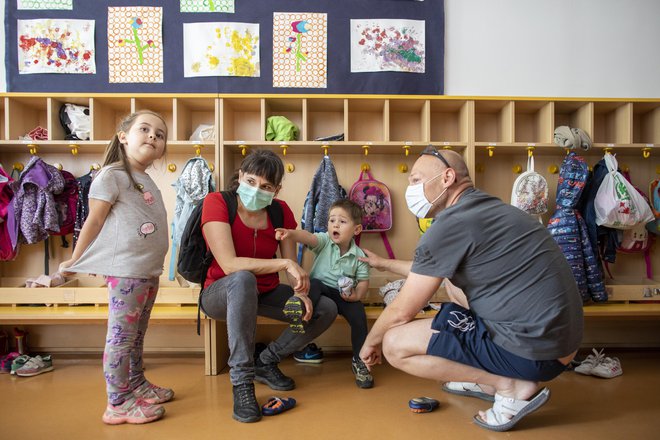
134	238
513	273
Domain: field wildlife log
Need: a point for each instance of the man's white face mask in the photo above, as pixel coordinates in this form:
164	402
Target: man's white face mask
416	200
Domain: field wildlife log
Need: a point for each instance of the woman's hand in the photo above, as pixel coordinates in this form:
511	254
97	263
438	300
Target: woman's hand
298	277
309	307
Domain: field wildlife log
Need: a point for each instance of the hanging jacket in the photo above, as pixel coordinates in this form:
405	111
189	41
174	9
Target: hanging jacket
7	251
34	208
82	207
600	237
569	230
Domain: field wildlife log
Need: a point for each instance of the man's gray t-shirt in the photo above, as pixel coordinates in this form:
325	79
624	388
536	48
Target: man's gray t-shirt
133	240
514	275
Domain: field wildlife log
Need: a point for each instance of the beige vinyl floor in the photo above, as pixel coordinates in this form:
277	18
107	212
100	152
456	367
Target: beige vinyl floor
68	402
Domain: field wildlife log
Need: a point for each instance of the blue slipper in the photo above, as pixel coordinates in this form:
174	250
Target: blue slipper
423	404
506	411
276	405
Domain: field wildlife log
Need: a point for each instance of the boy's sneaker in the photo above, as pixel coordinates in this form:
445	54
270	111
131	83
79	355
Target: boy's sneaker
36	365
294	310
246	407
19	362
311	354
133	410
608	368
271	375
587	365
153	394
363	377
6	361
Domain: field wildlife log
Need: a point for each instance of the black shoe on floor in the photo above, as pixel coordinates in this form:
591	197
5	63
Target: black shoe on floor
246	407
363	377
271	375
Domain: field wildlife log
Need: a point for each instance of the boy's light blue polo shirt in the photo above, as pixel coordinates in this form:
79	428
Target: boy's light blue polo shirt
329	266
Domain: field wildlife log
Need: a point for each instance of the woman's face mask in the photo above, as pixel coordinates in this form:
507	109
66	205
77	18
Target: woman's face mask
254	198
416	200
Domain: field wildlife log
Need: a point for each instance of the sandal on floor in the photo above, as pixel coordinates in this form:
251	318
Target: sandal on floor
276	405
506	411
467	389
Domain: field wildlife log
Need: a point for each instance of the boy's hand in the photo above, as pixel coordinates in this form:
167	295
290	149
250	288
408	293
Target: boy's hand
281	233
63	266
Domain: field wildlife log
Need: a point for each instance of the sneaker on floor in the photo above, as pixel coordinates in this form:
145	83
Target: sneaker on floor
151	393
19	362
271	375
587	365
363	378
311	354
6	361
294	310
608	368
133	410
246	407
36	365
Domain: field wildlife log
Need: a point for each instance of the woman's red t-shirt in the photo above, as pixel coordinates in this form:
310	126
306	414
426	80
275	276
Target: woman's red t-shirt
246	244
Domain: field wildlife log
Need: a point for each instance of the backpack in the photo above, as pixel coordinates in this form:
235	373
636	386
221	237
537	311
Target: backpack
374	198
7	251
194	257
530	191
192	186
75	121
654	193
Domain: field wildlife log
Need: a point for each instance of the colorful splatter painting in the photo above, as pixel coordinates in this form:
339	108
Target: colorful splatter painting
56	46
300	49
226	6
388	45
44	4
221	49
135	44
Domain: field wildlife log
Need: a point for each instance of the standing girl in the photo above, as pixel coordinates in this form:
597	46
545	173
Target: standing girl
125	239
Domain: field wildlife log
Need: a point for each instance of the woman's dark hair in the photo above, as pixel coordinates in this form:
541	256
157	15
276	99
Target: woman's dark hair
114	152
262	163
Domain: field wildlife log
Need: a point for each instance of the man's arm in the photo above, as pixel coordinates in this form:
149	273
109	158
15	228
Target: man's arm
399	267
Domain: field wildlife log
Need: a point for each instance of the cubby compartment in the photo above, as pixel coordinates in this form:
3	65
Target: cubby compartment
493	121
292	109
449	121
241	120
533	121
163	106
325	118
612	123
25	114
56	131
107	113
3	135
189	114
646	123
409	120
366	120
575	114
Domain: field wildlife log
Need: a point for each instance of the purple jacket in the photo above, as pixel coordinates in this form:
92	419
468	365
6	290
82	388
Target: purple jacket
34	209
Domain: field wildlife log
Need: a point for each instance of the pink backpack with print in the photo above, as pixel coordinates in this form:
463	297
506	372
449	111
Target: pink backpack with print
373	197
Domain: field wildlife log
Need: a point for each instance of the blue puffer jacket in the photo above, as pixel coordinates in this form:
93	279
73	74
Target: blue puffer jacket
569	230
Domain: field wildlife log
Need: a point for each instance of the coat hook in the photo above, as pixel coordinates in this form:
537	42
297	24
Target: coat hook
365	167
74	149
284	147
491	151
171	167
325	149
530	151
290	168
447	147
243	148
517	169
403	168
406	148
646	153
553	169
95	166
33	149
365	148
198	150
608	150
59	166
211	166
480	168
18	166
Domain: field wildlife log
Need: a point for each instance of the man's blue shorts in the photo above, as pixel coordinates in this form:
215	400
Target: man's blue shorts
462	337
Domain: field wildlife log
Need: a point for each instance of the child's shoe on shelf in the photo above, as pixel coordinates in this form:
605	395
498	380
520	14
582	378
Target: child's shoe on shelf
133	410
311	354
608	368
35	365
294	310
153	394
363	378
19	362
6	361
